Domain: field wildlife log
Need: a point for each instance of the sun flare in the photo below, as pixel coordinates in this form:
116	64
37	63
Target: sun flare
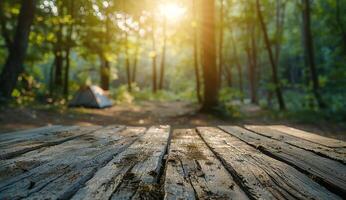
171	11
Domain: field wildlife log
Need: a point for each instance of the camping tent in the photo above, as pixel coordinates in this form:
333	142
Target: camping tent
92	97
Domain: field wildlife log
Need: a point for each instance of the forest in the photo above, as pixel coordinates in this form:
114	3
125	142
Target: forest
283	56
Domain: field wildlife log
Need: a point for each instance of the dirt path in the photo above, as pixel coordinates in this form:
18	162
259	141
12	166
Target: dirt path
178	114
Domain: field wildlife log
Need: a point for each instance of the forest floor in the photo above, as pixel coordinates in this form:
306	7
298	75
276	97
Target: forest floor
178	114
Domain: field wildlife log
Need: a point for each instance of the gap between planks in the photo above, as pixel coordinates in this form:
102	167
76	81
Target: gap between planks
328	172
261	176
62	176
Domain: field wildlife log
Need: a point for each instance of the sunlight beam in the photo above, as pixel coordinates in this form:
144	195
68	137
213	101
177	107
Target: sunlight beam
171	11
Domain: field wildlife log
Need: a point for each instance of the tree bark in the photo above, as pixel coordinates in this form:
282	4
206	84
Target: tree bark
127	61
163	57
104	71
271	59
105	65
17	52
340	24
310	55
251	73
239	68
195	53
154	56
58	81
135	62
68	50
221	37
280	20
210	72
67	72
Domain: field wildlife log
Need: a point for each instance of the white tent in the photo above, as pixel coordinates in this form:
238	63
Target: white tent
91	97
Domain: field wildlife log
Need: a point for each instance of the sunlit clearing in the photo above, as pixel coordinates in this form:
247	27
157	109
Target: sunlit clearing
172	12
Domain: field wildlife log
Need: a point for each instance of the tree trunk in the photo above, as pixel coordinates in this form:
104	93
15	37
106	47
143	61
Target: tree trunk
163	58
340	24
17	51
271	59
68	50
58	80
127	61
195	53
280	20
67	72
251	74
239	68
220	69
309	49
154	56
51	79
104	71
105	65
135	62
210	72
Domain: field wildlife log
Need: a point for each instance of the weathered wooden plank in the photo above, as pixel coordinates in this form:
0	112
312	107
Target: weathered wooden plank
19	146
32	134
261	176
25	162
328	142
132	171
63	176
192	169
28	133
330	173
333	153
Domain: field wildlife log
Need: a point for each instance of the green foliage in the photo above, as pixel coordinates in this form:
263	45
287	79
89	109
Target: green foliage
227	106
96	31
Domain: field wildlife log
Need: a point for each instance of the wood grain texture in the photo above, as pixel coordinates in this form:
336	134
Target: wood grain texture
329	172
25	162
192	169
27	133
328	142
338	154
63	176
32	141
132	174
261	176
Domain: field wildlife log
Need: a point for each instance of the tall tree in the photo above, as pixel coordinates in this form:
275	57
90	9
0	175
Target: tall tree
59	62
221	41
17	48
69	45
127	55
105	64
239	68
163	56
275	78
309	53
195	52
251	49
154	54
58	49
210	72
279	28
137	49
127	59
340	23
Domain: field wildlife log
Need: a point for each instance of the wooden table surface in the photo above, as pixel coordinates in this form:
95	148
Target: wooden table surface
121	162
